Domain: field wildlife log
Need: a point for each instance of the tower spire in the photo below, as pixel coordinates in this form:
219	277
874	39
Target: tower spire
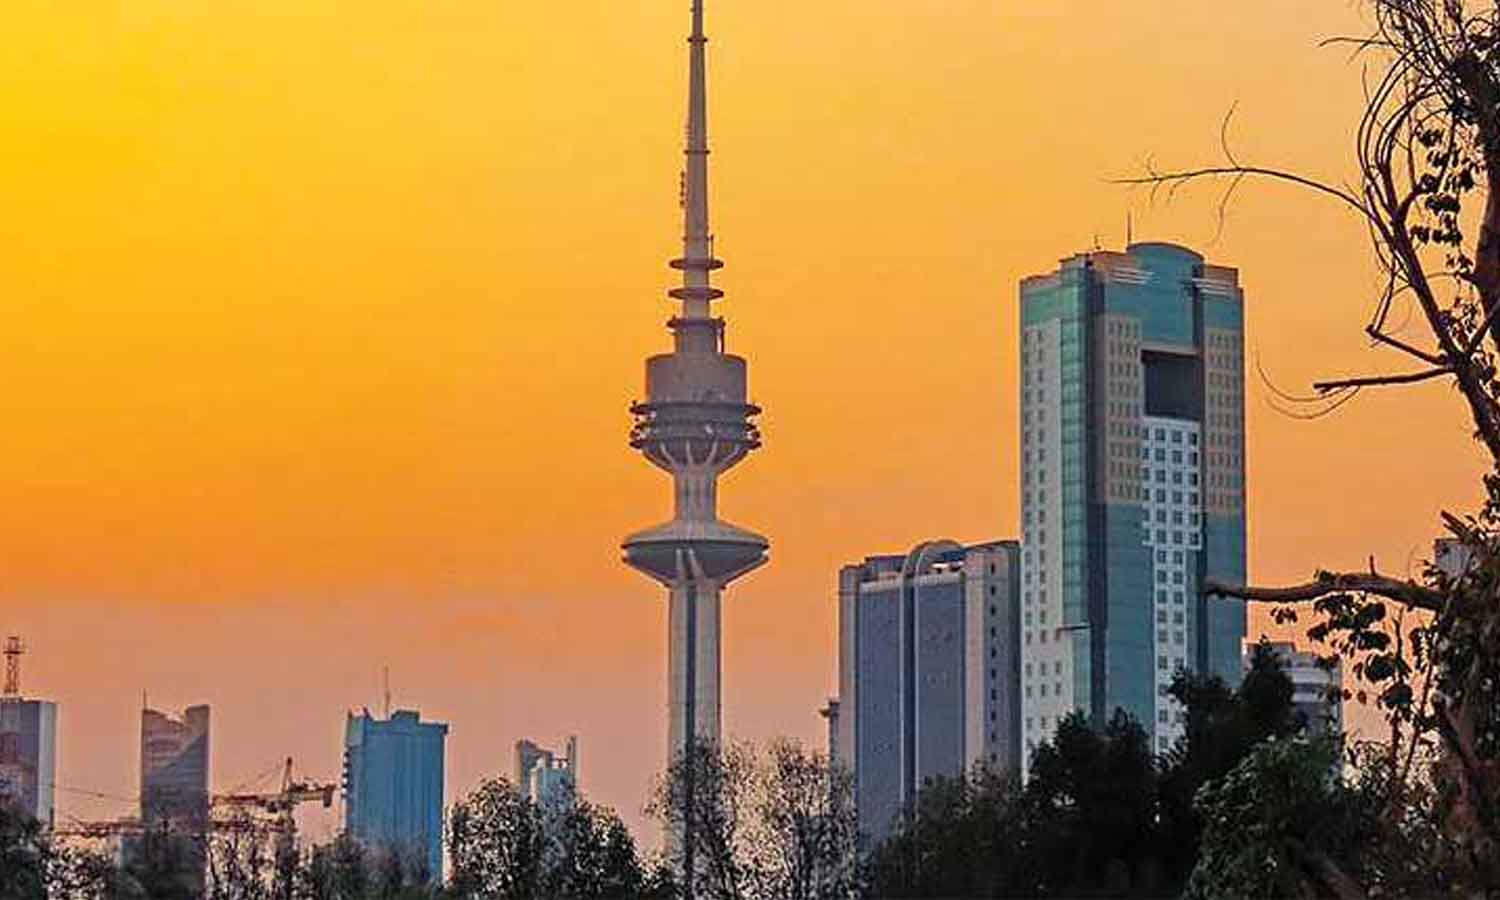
697	261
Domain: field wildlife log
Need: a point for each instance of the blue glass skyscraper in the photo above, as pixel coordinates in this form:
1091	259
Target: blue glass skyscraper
393	785
1132	484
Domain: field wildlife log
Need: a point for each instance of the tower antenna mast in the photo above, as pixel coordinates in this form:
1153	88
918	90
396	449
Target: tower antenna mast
13	651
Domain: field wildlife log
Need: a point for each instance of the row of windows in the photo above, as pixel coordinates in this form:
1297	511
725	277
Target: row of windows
1163	434
1176	576
1056	668
1041	689
1160	476
1177	515
1161	495
1160	455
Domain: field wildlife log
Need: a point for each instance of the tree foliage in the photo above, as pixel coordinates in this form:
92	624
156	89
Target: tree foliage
1099	816
1428	191
773	824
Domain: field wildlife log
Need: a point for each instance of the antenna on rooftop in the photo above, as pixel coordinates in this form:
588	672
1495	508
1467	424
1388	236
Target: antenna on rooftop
386	683
13	650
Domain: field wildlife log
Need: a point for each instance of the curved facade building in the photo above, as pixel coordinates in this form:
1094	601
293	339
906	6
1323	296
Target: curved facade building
928	671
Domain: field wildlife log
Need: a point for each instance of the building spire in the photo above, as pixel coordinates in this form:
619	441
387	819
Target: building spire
697	261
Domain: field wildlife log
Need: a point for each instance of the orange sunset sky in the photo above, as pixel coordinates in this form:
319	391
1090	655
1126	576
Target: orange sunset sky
321	321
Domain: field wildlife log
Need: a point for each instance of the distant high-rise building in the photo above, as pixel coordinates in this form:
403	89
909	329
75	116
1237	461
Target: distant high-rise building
546	777
928	671
1132	484
1317	689
174	788
28	756
393	785
28	745
174	766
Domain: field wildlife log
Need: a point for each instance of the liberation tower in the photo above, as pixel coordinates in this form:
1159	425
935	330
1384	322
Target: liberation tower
695	423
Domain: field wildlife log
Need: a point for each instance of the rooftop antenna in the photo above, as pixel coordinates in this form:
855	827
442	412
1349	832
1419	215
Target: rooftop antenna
13	650
386	684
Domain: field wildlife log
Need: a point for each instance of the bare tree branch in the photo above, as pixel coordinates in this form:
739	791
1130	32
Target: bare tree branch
1407	592
1157	179
1381	337
1378	380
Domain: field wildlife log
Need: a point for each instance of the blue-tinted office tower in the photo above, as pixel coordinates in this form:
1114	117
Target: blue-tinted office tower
928	665
393	785
1132	483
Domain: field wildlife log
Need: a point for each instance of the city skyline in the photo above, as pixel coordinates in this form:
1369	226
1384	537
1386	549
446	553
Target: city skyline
373	427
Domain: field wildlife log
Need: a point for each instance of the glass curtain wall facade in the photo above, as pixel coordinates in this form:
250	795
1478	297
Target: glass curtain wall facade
1132	484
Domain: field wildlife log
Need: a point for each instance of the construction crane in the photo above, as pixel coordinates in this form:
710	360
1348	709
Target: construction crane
271	813
281	805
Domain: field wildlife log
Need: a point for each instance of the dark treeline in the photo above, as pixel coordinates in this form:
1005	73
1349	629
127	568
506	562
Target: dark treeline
1100	816
1247	804
500	844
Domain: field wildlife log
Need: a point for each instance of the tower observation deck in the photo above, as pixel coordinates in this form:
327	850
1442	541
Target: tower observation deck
695	423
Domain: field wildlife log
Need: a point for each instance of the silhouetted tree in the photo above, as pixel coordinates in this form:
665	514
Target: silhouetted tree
1090	806
778	824
26	856
503	845
1222	726
1428	191
962	838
